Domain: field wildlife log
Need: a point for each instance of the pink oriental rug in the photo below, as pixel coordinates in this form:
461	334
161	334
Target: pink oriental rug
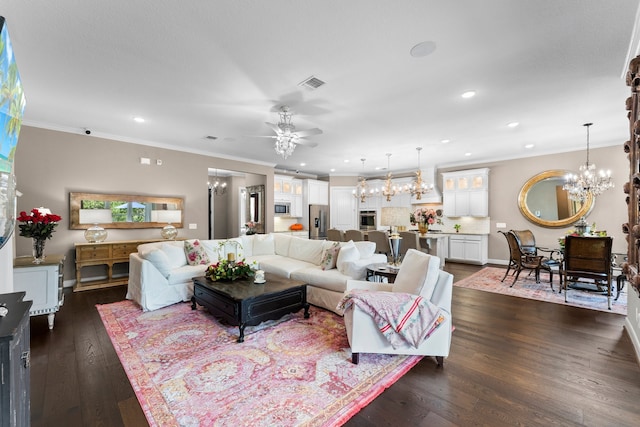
188	370
489	279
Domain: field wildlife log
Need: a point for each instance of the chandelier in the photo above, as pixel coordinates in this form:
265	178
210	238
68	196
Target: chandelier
285	144
362	189
587	181
418	187
217	187
389	189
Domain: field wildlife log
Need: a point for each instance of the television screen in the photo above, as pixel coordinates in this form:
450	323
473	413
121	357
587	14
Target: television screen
12	101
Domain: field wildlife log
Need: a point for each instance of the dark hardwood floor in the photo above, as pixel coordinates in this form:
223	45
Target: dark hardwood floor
513	362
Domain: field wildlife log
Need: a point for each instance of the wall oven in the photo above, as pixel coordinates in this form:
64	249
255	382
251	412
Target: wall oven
368	220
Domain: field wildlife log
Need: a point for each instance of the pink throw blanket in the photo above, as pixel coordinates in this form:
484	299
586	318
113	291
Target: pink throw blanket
403	319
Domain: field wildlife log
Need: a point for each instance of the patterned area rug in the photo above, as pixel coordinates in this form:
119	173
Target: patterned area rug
187	369
489	279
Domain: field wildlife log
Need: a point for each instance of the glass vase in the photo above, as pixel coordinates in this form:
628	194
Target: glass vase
95	234
38	250
169	232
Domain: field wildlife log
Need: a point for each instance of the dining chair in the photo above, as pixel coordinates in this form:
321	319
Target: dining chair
355	235
410	240
587	260
381	240
519	260
527	242
335	235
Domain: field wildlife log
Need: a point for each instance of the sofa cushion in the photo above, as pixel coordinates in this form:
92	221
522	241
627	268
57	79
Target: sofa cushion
330	256
175	254
283	266
282	242
413	274
366	249
263	244
195	252
348	253
185	273
306	250
332	280
247	245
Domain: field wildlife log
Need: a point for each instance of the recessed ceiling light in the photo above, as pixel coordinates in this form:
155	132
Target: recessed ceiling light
303	164
467	154
332	170
138	119
346	160
423	49
445	141
529	146
469	94
513	124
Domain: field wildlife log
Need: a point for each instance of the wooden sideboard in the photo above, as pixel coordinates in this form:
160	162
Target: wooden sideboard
107	254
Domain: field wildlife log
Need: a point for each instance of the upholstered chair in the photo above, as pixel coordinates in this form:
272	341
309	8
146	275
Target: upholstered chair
410	240
419	275
355	235
335	235
381	240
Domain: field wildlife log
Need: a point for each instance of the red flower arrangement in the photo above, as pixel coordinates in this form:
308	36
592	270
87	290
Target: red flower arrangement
40	224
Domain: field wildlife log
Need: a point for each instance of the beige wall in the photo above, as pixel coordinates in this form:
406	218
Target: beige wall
50	164
506	178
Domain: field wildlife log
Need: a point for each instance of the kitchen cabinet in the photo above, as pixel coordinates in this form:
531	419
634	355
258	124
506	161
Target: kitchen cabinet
296	206
42	283
317	192
15	359
470	248
282	185
466	193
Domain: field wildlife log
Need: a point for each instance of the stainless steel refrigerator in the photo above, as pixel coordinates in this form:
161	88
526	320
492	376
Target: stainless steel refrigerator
318	221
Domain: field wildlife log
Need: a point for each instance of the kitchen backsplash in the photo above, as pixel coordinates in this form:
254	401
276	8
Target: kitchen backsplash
468	225
282	224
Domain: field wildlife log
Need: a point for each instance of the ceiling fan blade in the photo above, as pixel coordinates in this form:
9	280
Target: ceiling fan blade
275	128
306	143
308	132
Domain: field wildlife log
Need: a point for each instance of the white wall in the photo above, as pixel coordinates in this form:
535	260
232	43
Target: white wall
6	267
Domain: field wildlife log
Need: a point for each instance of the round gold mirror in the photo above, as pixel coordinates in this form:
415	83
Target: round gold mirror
543	201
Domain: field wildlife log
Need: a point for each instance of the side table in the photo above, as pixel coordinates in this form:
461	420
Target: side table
42	284
377	272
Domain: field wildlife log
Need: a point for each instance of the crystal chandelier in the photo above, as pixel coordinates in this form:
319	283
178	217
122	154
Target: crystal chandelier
218	188
418	187
389	189
362	189
285	144
587	181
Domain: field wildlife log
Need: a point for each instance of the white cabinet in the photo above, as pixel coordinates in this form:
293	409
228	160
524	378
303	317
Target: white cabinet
42	284
317	192
469	248
466	193
296	206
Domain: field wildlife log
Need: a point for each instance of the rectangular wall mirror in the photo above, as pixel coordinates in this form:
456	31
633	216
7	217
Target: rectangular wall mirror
123	211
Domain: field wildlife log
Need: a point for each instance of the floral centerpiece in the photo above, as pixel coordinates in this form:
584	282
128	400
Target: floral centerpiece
424	217
229	270
38	225
251	228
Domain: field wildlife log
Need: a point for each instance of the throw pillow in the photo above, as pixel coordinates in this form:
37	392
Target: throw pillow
175	255
196	255
160	260
348	253
412	273
366	249
263	244
330	256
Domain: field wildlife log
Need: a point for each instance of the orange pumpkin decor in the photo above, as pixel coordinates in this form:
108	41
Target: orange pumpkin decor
295	227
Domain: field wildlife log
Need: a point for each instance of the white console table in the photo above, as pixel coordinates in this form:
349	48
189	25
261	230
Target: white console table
42	284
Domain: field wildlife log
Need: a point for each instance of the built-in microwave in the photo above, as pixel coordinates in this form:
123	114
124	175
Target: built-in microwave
368	220
282	209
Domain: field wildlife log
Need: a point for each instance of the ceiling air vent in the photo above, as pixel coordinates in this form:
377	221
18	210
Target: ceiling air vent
312	83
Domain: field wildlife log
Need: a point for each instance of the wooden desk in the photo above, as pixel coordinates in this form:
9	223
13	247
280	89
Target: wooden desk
107	254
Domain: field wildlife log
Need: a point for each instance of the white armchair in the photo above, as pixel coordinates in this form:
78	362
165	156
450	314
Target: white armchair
418	275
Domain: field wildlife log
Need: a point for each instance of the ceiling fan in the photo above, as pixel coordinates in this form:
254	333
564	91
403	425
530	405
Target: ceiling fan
286	135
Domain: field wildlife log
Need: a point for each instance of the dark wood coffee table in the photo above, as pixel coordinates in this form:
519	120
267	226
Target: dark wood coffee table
242	303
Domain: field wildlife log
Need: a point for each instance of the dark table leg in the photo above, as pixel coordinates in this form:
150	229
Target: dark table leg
306	310
241	327
193	303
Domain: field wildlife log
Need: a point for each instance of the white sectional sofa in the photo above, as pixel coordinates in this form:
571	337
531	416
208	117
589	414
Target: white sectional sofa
159	274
